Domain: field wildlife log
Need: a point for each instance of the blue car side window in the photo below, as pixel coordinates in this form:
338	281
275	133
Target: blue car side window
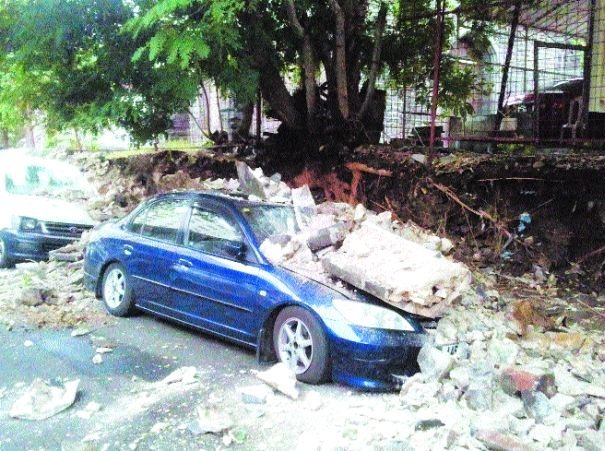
212	233
161	221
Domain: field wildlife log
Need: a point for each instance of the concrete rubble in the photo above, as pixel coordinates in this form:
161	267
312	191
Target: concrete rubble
538	396
401	264
43	400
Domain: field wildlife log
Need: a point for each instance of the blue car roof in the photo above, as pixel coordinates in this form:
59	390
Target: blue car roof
236	199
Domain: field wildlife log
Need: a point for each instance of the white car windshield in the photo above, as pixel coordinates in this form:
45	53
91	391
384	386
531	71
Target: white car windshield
42	177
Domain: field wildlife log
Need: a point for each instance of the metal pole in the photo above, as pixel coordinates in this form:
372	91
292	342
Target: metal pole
536	89
588	69
436	75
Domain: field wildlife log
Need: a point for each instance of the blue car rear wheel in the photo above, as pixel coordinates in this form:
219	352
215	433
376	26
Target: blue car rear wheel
300	342
5	260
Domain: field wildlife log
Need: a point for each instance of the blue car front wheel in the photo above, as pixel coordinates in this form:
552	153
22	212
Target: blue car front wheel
300	342
116	291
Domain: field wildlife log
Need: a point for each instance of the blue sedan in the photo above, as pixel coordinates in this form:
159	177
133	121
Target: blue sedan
195	258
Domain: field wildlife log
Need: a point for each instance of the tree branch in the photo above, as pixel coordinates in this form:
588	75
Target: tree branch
375	65
340	59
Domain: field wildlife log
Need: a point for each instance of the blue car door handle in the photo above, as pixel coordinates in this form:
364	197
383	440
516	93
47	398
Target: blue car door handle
128	249
184	263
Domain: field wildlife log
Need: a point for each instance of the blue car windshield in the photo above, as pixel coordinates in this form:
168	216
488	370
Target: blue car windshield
270	220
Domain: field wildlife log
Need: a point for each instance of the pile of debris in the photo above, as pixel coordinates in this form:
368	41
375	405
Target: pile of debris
400	264
47	294
543	384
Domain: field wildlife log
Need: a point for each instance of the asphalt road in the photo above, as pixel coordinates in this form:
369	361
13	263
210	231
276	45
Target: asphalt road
137	412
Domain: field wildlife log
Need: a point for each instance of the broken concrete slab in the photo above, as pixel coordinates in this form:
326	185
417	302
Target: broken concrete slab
255	183
398	271
43	400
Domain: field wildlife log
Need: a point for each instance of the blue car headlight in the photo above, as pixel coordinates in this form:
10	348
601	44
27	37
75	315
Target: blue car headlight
371	316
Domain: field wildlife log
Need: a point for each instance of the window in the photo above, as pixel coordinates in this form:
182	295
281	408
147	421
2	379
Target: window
213	233
270	220
161	221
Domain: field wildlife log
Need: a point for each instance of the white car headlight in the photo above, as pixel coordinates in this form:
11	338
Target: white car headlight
372	316
28	224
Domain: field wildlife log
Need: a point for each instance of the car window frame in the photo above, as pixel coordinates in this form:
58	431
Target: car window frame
143	212
250	256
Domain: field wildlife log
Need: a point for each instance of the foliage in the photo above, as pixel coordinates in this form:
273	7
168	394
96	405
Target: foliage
91	63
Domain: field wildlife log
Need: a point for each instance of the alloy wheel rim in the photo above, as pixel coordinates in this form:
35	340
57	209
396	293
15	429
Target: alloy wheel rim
114	289
295	345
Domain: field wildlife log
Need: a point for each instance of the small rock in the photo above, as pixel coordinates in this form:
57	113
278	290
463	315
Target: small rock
515	381
43	400
537	405
434	363
498	441
255	394
33	297
210	422
103	350
80	332
186	375
360	213
313	401
591	440
425	425
88	411
502	351
28	343
97	359
419	158
281	378
545	434
461	376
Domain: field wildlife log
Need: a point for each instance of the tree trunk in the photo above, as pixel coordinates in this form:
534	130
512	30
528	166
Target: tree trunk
243	131
505	69
78	140
30	137
375	65
309	65
340	66
206	108
4	139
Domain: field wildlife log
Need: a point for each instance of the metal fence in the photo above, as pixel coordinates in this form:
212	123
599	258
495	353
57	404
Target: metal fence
541	81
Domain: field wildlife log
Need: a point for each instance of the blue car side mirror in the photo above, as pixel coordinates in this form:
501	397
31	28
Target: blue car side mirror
236	249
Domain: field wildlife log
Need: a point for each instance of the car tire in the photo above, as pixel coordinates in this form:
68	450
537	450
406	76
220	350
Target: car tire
116	291
5	260
300	341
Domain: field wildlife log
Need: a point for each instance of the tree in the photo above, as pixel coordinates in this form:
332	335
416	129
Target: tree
341	49
71	60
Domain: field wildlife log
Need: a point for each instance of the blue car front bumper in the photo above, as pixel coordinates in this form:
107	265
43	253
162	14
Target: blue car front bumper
374	358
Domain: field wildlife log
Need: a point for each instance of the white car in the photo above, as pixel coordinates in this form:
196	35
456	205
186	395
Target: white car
37	209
